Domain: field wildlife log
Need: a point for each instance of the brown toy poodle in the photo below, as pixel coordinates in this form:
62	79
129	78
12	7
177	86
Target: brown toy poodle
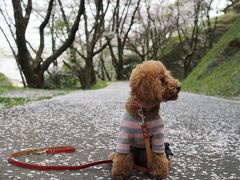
151	83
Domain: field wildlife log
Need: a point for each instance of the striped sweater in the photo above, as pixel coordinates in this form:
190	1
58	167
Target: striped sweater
130	134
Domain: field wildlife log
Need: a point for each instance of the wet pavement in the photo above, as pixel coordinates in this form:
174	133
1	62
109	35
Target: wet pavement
204	133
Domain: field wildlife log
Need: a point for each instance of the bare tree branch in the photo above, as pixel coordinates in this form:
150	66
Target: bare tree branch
9	43
131	22
69	40
8	24
41	31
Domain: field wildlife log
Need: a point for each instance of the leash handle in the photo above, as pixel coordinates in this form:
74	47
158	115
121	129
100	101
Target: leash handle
49	150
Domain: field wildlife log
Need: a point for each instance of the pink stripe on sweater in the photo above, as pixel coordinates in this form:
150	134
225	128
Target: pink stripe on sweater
138	136
154	123
124	135
123	146
131	124
157	141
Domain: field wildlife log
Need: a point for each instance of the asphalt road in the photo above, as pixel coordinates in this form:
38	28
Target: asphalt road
204	133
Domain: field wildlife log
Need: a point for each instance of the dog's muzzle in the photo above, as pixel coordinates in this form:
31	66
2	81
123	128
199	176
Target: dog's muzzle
178	88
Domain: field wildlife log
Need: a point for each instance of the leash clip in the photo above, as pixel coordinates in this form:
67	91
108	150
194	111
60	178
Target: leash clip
144	126
140	113
39	152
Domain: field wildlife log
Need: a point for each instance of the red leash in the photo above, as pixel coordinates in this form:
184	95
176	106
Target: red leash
55	150
50	150
69	149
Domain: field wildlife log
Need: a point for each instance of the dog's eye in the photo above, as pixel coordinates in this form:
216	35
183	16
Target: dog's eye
163	80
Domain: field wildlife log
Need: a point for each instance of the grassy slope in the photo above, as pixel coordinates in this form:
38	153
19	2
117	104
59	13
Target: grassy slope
5	83
214	77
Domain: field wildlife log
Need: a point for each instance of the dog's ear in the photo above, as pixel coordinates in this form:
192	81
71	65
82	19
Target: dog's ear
145	86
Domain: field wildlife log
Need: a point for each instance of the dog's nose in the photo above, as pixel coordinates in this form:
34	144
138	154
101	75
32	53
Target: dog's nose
178	88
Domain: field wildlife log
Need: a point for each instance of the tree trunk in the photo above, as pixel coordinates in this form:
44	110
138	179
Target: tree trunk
104	69
187	65
93	75
119	72
37	80
33	69
86	75
119	65
186	70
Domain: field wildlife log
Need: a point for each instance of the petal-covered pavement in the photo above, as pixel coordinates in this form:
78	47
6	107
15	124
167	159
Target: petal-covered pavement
204	133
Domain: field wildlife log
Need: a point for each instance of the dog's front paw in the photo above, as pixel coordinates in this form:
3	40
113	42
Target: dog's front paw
120	173
122	166
160	166
111	156
119	177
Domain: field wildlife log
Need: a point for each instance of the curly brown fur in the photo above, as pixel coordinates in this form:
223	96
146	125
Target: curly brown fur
160	165
151	83
130	107
122	165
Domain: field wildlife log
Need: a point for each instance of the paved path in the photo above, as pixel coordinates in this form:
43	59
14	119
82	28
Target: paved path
204	133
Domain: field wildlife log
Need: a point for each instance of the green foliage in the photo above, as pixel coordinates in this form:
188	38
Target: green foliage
173	52
218	73
7	102
173	42
62	80
44	97
5	84
4	81
233	5
11	102
227	19
130	61
99	85
172	58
